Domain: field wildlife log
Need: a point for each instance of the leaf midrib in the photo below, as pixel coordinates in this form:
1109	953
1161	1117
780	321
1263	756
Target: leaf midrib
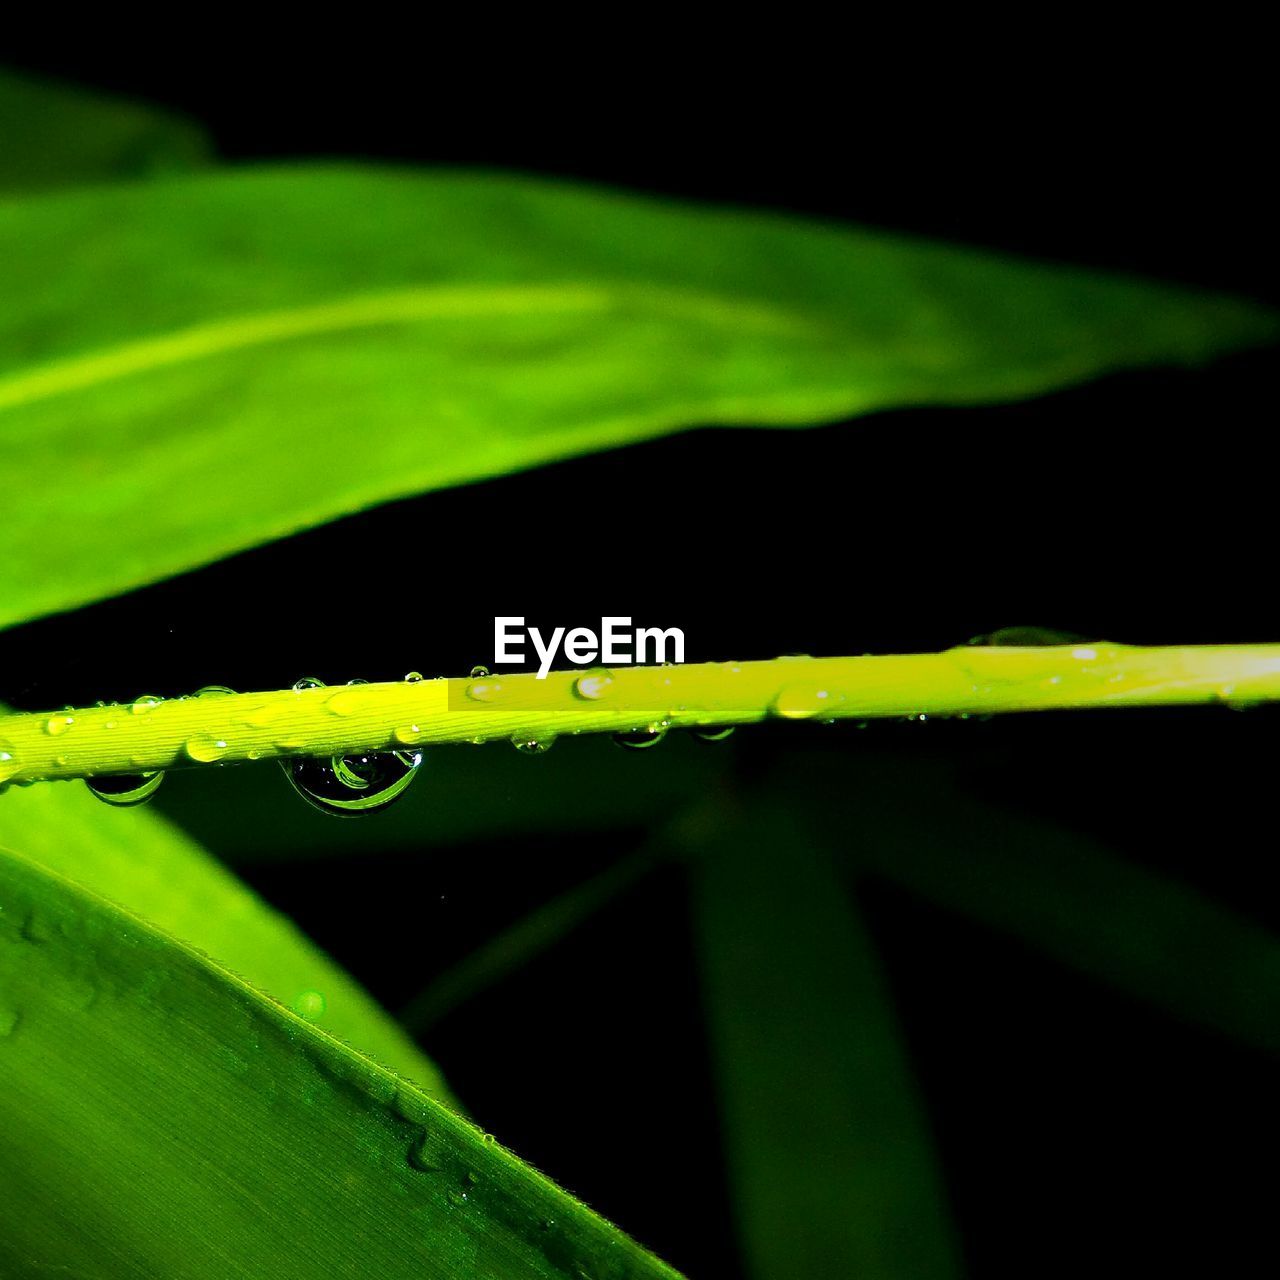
364	311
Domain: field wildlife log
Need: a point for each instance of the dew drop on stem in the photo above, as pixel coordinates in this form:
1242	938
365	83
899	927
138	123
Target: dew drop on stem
125	790
595	684
8	760
350	786
712	732
1026	637
641	739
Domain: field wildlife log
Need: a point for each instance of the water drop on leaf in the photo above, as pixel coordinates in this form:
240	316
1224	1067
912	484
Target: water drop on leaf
798	702
594	684
479	672
144	704
351	785
1027	637
531	746
310	1005
712	732
124	790
641	739
204	748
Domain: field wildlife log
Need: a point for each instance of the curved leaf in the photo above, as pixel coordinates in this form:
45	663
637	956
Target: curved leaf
160	1118
140	860
195	367
54	135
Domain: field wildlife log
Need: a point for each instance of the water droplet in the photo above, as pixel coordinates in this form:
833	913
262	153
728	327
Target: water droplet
8	760
1233	701
484	690
347	701
798	702
214	691
57	725
641	739
307	682
205	748
594	684
1027	637
351	785
533	746
425	1155
408	734
478	672
413	677
147	702
488	1139
712	732
123	790
309	1005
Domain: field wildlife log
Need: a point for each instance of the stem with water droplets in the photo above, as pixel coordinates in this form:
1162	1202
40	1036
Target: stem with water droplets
965	681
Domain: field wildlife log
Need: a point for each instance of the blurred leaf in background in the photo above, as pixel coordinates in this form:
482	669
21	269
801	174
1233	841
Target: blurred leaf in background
829	1149
245	354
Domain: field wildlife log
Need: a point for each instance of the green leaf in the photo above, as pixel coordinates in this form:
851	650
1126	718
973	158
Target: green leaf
161	1118
143	862
197	366
1090	909
829	1151
53	135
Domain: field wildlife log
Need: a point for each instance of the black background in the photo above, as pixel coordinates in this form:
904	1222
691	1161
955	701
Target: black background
1078	1130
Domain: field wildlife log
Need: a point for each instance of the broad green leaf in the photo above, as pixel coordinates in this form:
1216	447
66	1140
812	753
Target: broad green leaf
828	1148
193	367
160	1118
54	135
143	862
1151	936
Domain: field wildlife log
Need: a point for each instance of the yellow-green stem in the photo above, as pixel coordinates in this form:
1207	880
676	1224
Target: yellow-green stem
969	680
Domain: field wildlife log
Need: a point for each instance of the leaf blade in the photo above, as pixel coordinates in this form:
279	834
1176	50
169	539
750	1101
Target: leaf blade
139	859
180	351
162	1118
